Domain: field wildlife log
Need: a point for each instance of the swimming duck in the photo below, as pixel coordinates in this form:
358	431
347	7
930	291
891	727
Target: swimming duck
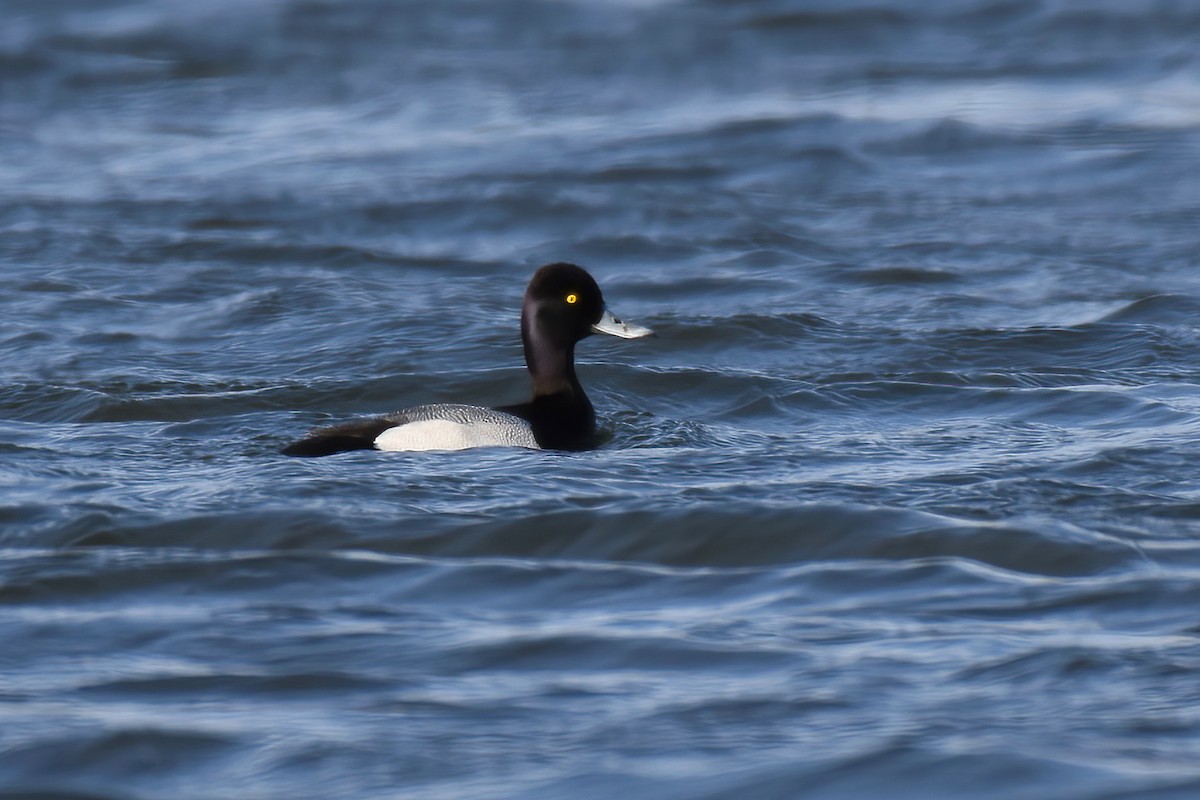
563	305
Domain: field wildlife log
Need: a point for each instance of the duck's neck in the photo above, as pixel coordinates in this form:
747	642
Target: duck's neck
551	364
560	413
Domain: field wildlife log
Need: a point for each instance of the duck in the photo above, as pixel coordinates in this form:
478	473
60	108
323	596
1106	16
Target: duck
563	305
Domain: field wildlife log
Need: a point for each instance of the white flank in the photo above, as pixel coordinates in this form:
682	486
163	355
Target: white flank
444	434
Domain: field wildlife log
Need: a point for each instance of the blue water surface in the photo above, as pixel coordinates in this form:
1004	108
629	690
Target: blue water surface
902	502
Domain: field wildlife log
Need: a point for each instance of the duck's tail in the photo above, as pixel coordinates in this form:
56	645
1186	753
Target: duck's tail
359	435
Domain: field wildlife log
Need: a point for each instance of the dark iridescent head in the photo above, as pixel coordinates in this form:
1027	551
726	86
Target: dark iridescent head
564	304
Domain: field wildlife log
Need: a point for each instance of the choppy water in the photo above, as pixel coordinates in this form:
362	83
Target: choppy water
902	502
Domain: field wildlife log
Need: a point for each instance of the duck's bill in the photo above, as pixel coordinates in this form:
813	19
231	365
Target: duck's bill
613	326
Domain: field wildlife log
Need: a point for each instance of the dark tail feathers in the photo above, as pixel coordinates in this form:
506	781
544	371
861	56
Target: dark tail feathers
327	445
358	435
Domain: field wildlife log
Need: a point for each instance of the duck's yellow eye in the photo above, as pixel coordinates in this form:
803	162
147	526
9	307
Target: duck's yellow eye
572	298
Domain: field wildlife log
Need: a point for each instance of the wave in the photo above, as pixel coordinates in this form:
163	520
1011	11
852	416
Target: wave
703	536
1162	309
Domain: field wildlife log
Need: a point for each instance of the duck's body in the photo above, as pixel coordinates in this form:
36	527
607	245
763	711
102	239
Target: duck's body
440	426
562	305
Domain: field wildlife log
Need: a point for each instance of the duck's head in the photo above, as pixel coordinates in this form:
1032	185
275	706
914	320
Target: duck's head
563	304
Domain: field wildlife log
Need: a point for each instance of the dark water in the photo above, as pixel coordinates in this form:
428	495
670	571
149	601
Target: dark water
903	501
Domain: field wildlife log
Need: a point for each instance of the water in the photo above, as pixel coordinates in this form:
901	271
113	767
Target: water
902	501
